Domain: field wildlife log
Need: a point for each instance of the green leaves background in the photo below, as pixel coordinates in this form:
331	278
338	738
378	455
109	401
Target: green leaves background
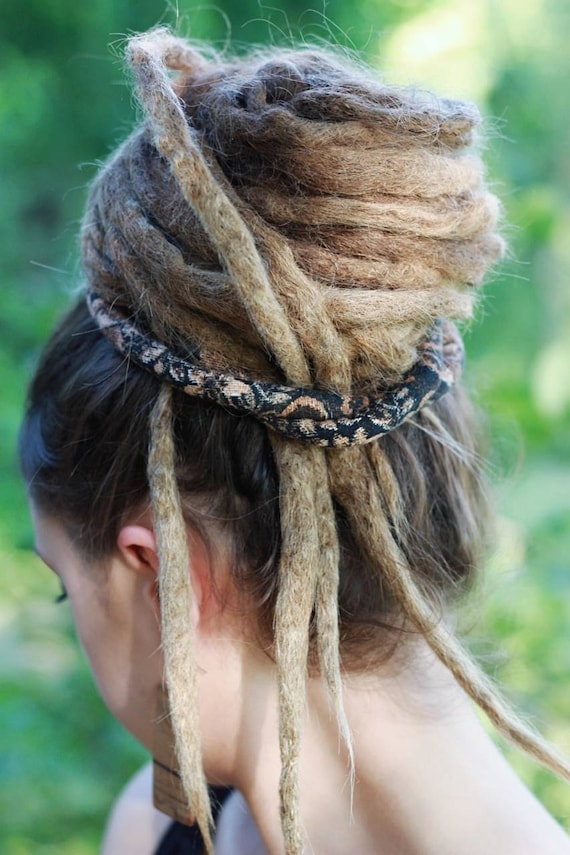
64	104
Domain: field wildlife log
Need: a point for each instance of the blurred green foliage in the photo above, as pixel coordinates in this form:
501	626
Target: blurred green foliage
64	104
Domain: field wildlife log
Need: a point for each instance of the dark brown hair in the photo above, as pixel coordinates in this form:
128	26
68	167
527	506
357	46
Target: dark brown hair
84	448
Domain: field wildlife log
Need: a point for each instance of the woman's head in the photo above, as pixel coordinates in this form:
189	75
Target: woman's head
84	452
284	220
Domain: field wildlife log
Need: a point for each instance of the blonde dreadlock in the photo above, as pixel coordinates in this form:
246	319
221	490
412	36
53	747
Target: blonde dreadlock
299	222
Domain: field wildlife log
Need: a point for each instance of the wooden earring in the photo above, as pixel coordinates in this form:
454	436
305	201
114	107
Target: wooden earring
168	793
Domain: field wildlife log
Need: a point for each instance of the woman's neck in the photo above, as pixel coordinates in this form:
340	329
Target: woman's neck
428	778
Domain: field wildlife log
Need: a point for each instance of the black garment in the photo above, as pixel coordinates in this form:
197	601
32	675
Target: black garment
186	839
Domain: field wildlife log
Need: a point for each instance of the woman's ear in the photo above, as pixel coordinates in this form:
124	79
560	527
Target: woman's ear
137	545
137	548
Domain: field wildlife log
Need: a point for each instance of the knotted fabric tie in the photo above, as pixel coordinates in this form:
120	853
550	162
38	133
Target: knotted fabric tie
315	416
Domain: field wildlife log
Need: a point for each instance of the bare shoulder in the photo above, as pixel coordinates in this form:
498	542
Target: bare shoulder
134	826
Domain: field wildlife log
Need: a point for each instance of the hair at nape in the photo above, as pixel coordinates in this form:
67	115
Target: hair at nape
299	221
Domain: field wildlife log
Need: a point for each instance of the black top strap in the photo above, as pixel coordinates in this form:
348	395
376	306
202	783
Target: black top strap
186	839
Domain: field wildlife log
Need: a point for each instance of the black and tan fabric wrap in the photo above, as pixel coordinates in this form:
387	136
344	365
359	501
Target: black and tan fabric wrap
311	415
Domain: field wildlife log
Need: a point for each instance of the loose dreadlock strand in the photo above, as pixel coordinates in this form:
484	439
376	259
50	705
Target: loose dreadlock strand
308	571
220	219
392	261
441	218
176	53
293	672
307	312
328	355
358	493
391	495
327	614
176	602
383	170
298	571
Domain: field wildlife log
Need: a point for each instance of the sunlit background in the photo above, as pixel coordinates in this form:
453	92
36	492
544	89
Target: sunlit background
64	104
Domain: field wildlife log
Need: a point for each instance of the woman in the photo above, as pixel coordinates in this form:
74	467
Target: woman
253	467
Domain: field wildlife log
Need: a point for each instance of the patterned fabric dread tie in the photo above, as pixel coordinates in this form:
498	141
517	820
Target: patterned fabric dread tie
315	416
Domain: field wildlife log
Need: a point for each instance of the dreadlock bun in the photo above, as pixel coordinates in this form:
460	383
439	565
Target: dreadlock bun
364	201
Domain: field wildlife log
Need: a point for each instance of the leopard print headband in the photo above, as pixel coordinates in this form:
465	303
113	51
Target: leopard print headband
315	416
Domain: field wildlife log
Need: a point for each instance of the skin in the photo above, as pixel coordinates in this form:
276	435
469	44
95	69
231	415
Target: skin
429	779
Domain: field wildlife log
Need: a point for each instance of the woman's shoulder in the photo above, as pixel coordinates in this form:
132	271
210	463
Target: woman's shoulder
135	826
